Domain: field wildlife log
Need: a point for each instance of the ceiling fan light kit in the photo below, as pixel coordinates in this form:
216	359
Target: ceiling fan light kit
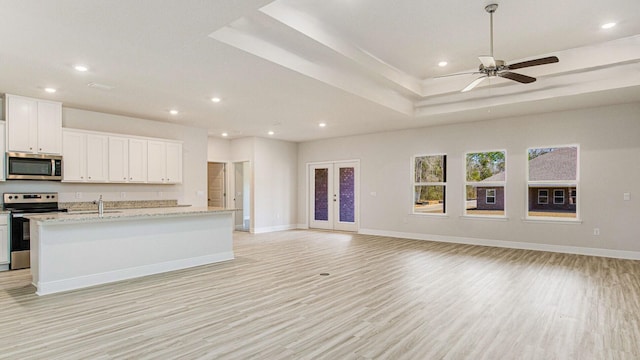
490	67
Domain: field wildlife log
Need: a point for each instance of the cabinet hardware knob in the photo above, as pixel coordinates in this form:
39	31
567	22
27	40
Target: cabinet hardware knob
81	177
130	178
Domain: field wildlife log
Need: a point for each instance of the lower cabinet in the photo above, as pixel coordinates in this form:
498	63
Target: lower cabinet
4	242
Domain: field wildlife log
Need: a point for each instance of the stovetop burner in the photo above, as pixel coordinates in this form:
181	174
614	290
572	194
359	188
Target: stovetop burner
31	202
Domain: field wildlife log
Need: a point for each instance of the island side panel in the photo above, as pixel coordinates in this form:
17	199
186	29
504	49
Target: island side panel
75	255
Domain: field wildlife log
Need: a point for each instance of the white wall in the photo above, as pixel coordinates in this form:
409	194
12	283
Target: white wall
275	180
609	139
194	161
271	173
218	150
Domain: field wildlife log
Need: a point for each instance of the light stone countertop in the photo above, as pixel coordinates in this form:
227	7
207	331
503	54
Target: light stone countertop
121	214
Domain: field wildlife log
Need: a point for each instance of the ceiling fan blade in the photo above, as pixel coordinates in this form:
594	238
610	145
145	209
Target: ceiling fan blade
487	61
517	77
474	83
456	74
536	62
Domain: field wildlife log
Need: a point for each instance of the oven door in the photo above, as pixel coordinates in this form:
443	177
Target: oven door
20	242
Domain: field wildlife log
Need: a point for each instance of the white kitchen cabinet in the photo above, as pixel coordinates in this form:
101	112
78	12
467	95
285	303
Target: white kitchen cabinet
85	157
127	159
74	164
4	241
174	163
3	172
33	126
118	159
97	158
165	162
138	158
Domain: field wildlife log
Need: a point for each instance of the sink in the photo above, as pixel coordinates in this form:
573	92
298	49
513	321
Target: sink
93	212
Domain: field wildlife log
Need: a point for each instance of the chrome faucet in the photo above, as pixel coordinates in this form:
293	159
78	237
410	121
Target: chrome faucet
100	204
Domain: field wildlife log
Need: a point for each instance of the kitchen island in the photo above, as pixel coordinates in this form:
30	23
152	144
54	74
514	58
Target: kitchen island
76	250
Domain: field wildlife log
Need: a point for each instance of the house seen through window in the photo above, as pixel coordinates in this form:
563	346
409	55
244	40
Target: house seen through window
485	183
429	184
553	182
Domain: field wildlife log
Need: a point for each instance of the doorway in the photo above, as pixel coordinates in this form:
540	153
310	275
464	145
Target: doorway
334	195
216	184
242	195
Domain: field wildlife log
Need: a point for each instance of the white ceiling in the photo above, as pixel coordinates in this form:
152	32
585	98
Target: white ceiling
361	66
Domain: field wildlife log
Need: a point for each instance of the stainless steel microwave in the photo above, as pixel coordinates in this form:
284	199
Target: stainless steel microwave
24	166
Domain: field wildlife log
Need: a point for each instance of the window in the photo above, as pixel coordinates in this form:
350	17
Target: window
490	196
558	196
429	184
553	172
543	196
485	183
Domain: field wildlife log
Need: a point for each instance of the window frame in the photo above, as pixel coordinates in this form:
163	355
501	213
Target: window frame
550	184
486	196
492	184
429	183
555	196
545	196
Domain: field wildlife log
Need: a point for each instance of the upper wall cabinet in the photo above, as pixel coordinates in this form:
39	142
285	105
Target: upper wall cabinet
85	157
127	160
33	126
165	162
90	156
2	151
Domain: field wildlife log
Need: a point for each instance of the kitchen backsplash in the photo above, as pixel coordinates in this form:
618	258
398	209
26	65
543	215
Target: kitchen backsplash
132	204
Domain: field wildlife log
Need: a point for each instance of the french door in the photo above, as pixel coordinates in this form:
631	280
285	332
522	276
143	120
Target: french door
334	196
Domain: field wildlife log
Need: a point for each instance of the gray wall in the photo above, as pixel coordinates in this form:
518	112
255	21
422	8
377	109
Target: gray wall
609	139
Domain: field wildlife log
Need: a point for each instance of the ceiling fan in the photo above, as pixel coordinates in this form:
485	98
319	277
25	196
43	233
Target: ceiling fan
491	67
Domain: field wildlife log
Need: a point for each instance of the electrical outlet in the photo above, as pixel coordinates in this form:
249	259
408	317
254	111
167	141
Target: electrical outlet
123	194
626	196
78	195
596	231
160	194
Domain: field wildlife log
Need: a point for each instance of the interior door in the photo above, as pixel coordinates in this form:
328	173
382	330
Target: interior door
216	184
333	196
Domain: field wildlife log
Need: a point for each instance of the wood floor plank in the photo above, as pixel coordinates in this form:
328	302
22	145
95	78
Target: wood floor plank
384	298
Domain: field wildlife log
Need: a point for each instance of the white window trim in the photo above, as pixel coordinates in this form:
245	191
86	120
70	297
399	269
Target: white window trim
568	183
414	184
486	196
554	197
496	184
546	196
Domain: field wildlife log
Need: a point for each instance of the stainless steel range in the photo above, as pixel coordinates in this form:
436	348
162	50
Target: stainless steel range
21	204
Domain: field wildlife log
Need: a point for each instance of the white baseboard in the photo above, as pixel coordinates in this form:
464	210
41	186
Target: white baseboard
50	287
268	229
302	227
618	254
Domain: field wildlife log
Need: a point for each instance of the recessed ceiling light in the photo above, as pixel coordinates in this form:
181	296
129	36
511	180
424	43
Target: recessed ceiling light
442	63
608	25
225	134
322	124
216	99
173	112
50	90
81	68
270	133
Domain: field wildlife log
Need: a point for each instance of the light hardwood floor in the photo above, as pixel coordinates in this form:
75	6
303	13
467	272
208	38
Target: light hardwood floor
385	298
